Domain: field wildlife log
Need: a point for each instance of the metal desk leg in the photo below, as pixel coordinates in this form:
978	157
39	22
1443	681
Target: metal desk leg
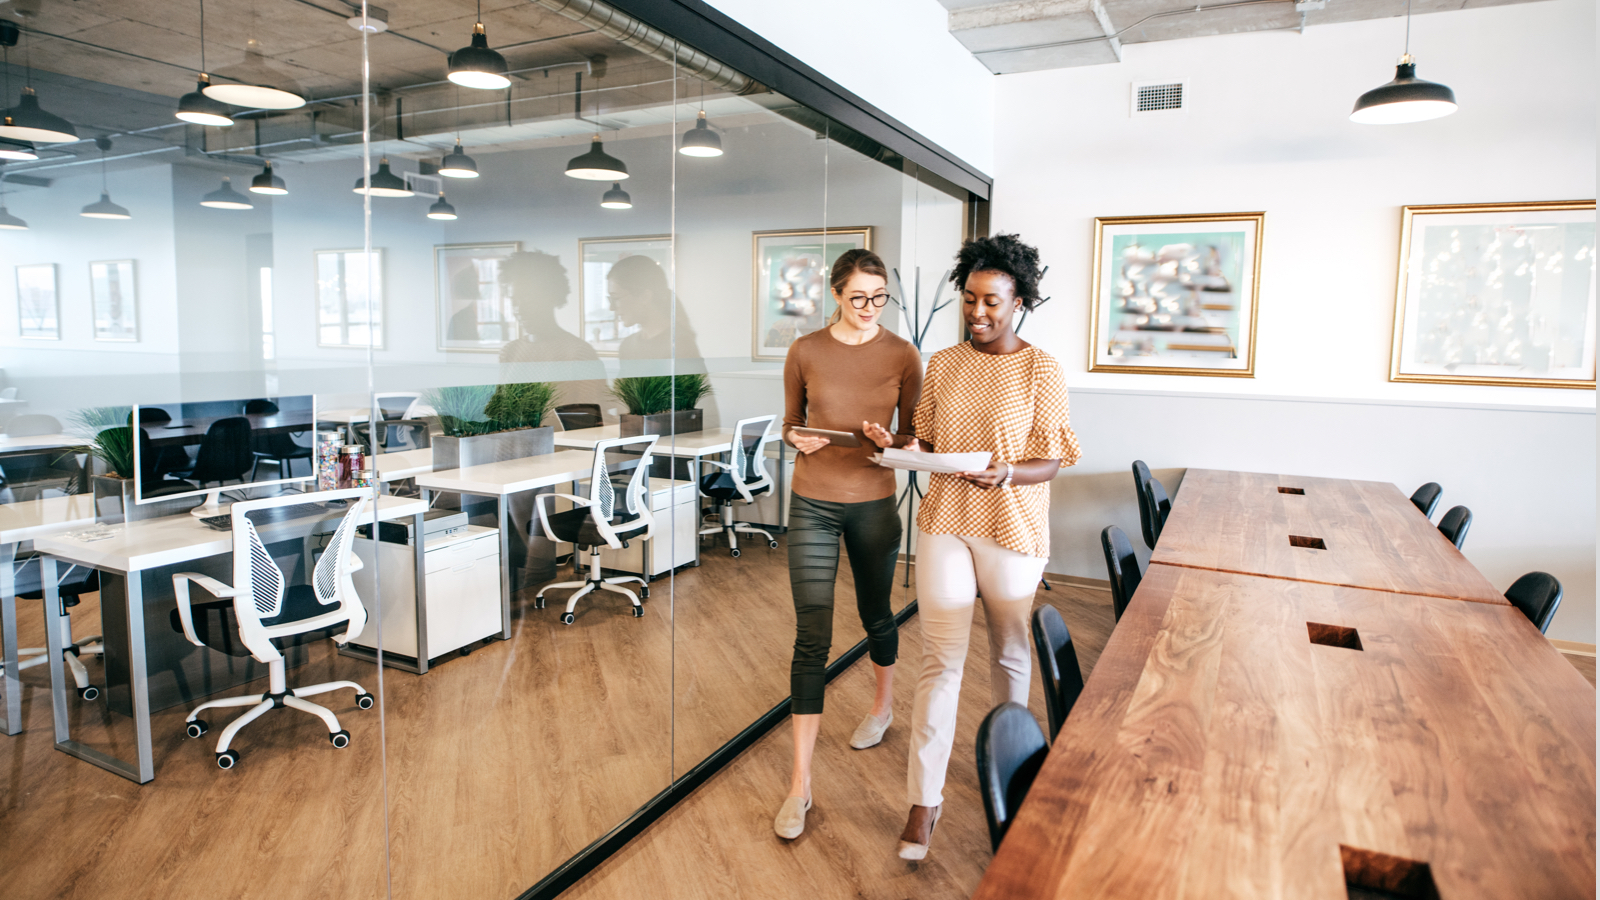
8	624
421	599
502	505
143	770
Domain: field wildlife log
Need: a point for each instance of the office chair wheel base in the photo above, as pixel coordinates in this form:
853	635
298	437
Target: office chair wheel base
89	693
735	553
538	602
365	701
227	759
568	618
772	544
198	728
644	592
638	612
340	739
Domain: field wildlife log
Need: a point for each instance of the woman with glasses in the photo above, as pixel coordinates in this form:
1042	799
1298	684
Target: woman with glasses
982	533
851	376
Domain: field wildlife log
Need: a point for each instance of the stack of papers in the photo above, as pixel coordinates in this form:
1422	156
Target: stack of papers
944	463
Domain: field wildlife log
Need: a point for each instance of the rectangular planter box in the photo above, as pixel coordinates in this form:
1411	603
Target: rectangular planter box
460	452
113	502
682	421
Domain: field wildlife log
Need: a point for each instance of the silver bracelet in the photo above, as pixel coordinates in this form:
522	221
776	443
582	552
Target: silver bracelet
1010	470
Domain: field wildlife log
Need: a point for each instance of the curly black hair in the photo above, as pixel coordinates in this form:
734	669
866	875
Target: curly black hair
1006	254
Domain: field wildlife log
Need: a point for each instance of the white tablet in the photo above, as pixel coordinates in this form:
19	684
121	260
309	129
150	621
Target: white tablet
836	438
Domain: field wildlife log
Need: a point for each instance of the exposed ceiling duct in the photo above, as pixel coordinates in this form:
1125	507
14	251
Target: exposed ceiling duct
655	44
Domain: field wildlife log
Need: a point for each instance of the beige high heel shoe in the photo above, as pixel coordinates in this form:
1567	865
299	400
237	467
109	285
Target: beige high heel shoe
911	851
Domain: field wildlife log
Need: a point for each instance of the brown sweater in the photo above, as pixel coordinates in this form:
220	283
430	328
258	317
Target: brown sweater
833	385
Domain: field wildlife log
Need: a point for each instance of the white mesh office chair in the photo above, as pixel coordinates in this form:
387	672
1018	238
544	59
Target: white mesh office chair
266	618
73	581
599	519
742	478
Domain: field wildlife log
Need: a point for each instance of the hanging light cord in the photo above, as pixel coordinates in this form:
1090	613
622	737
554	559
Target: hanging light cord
202	35
1408	27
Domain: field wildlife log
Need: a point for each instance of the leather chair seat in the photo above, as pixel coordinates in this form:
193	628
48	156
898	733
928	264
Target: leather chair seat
216	626
722	486
577	527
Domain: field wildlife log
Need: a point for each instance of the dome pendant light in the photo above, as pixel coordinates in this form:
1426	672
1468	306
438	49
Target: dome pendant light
195	106
475	65
27	121
442	210
257	85
104	208
458	164
268	183
384	183
226	197
22	151
616	198
1407	98
701	140
597	165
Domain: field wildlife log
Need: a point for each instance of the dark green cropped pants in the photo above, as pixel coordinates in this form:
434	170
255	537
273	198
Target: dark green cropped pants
871	533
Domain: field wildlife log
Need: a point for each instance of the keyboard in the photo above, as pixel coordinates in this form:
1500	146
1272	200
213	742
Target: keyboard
218	523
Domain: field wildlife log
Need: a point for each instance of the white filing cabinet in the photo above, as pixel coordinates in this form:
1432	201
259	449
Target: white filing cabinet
463	592
677	524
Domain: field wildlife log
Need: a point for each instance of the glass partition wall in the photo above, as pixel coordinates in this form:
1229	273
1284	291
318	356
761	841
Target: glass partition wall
613	235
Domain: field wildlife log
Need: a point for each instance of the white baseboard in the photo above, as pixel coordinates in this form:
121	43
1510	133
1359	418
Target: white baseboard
1573	647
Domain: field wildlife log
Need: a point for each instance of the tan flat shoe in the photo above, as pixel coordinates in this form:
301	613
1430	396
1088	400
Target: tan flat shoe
870	732
911	851
791	820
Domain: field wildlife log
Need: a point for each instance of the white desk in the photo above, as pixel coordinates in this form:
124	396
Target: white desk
500	480
361	414
143	545
21	522
404	464
34	443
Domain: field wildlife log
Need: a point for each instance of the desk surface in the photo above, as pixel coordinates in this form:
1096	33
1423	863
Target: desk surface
174	539
513	475
1217	752
36	442
1375	537
688	446
404	464
31	518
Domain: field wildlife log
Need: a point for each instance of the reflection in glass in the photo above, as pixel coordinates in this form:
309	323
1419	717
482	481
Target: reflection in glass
349	298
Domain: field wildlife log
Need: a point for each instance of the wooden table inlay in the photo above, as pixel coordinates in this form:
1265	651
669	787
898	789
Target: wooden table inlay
1363	534
1247	737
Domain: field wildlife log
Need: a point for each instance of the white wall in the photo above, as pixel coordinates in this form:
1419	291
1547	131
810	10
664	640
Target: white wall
1268	130
897	55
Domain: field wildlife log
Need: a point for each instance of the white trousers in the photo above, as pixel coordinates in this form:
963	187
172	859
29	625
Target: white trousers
952	571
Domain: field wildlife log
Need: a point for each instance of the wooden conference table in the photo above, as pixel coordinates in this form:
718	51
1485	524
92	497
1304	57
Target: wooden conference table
1253	731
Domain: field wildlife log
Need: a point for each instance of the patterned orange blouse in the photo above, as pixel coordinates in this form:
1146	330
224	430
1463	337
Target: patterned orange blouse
1014	406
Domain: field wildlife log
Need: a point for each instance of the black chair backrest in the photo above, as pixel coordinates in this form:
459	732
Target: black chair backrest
579	415
1537	594
1427	498
1121	566
1454	525
1153	503
260	408
153	415
1058	666
1011	748
224	452
397	434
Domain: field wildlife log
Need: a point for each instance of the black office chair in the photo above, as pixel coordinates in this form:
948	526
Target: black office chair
616	511
1058	666
1122	567
280	449
72	582
260	408
1454	525
573	416
1153	503
154	478
168	458
225	453
743	477
397	434
1427	498
1538	595
1011	748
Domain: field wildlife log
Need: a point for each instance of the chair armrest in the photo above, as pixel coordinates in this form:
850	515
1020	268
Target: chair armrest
544	513
180	586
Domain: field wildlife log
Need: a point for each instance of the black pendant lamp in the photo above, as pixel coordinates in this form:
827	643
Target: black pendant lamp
701	140
226	197
384	183
458	164
475	65
616	198
104	208
268	183
442	210
28	121
195	106
1407	98
597	165
256	85
21	151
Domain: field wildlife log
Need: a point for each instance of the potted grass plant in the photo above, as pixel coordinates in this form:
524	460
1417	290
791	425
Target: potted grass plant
108	440
661	404
488	423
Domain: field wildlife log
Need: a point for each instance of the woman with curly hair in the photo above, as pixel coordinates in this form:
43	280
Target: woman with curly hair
983	533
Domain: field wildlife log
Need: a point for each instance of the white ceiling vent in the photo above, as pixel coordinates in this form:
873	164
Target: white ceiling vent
1152	98
431	185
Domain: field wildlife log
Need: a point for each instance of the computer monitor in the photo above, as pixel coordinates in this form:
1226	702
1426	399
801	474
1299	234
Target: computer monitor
239	444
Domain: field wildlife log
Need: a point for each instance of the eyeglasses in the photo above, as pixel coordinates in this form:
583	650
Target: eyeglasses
878	300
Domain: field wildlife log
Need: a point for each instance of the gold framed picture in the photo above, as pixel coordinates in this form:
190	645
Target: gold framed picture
791	297
1497	294
1176	295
